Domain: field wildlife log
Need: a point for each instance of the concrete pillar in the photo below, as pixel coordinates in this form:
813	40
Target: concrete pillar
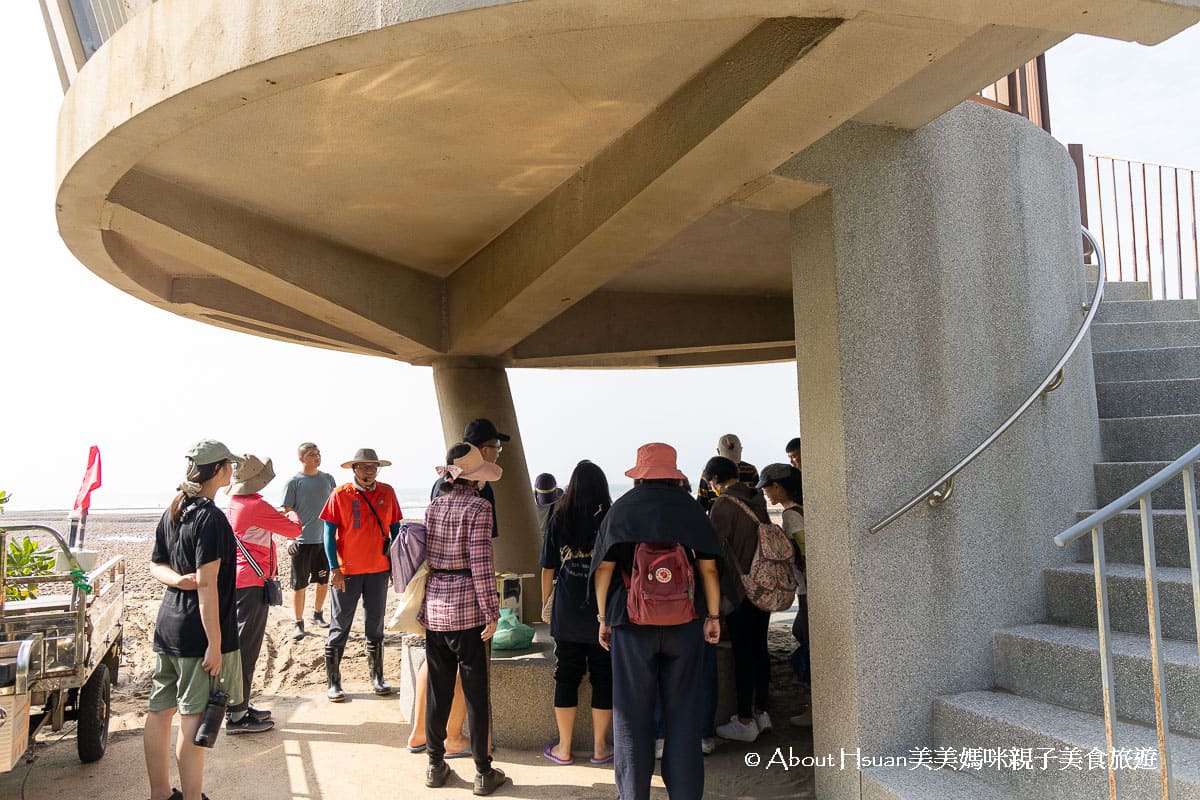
468	388
935	284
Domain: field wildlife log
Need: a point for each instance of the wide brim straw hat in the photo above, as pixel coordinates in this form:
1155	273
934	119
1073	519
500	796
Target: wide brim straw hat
365	455
252	475
655	461
471	466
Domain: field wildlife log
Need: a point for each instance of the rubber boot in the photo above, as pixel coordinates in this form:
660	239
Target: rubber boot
375	663
333	671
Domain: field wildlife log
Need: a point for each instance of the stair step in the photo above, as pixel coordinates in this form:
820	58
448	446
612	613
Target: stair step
1124	291
1163	438
1001	720
1071	599
1115	478
1061	665
1123	539
1108	336
1146	311
1148	398
1160	363
906	783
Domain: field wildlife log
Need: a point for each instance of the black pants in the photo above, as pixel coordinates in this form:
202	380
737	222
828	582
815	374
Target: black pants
573	659
652	660
751	658
252	626
447	654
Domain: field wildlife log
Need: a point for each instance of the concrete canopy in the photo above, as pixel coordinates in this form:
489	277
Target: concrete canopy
546	182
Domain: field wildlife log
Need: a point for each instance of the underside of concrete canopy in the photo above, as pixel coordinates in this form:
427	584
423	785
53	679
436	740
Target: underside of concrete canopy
544	183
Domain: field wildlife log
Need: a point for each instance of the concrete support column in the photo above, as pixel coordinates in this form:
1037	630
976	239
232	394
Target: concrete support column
468	388
935	284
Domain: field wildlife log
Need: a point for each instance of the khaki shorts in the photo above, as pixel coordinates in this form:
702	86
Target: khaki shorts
182	683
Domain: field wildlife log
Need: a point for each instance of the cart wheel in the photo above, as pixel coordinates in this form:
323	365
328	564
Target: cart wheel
94	711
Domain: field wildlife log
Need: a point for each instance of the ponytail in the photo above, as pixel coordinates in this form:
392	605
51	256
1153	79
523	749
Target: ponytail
197	476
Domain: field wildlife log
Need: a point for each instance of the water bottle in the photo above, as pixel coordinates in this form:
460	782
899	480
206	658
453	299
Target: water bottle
214	718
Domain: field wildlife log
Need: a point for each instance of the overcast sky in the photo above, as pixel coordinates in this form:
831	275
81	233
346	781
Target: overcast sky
84	364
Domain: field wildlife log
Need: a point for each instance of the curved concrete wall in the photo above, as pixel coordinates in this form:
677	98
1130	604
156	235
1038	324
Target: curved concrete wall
936	284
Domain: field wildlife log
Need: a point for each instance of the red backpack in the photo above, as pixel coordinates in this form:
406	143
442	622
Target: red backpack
662	588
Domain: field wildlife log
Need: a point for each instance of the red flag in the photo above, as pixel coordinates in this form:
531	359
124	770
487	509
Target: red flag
91	480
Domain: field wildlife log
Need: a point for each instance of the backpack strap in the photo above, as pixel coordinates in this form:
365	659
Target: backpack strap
743	507
382	530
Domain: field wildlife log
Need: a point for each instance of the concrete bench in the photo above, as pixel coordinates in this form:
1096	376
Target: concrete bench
523	692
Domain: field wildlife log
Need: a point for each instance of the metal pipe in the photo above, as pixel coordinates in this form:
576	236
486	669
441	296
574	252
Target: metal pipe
1112	163
1126	500
948	478
1189	507
1107	687
1156	658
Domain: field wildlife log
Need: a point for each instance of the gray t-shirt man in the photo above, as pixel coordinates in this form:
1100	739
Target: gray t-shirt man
306	494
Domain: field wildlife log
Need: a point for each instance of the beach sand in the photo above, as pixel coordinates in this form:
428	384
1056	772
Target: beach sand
290	679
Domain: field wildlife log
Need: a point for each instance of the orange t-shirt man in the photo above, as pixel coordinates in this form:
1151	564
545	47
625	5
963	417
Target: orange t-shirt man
361	539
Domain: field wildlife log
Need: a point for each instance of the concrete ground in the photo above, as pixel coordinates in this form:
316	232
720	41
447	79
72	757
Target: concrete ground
321	751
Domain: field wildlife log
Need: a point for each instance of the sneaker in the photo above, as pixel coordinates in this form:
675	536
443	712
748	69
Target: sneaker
437	774
248	724
659	744
737	730
318	619
707	745
298	630
488	782
763	720
260	714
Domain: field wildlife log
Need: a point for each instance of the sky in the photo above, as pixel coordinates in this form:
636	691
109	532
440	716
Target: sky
82	363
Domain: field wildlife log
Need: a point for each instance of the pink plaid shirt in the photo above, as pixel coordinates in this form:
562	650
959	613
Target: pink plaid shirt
459	537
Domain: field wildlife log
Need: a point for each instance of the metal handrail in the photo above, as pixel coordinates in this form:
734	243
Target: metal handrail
939	491
1182	467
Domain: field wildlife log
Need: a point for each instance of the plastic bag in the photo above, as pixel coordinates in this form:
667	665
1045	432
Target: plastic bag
511	634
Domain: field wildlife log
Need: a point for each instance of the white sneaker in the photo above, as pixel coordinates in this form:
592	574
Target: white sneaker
763	720
659	744
707	745
737	730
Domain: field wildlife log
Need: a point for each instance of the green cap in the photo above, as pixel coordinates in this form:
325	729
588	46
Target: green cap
210	451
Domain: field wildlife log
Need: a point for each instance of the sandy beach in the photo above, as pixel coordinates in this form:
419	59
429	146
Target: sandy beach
290	678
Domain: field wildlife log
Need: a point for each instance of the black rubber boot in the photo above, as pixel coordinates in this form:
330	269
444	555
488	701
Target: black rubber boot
333	672
375	664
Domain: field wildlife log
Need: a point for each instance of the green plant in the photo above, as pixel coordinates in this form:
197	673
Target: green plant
26	559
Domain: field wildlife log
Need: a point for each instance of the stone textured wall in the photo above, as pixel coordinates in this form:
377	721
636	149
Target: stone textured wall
935	284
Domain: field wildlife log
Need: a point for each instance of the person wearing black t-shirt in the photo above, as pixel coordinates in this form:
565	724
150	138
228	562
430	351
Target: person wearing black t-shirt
195	635
656	660
570	536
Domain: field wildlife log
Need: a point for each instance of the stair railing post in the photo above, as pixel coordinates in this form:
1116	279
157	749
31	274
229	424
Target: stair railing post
1189	506
1100	566
1156	657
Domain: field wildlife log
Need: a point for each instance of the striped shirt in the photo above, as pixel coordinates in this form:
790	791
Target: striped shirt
459	537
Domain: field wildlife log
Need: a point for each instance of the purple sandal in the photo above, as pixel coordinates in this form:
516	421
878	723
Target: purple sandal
562	762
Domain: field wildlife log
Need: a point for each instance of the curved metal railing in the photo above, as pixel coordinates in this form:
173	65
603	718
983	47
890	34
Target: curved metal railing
939	491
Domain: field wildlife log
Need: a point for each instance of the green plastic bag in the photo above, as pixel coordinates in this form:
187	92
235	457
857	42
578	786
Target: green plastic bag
511	634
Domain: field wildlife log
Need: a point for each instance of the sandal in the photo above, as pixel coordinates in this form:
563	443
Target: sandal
562	762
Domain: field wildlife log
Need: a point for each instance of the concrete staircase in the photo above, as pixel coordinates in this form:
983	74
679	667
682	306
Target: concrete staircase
1047	696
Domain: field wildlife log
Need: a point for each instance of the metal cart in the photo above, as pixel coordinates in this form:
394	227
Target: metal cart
59	654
